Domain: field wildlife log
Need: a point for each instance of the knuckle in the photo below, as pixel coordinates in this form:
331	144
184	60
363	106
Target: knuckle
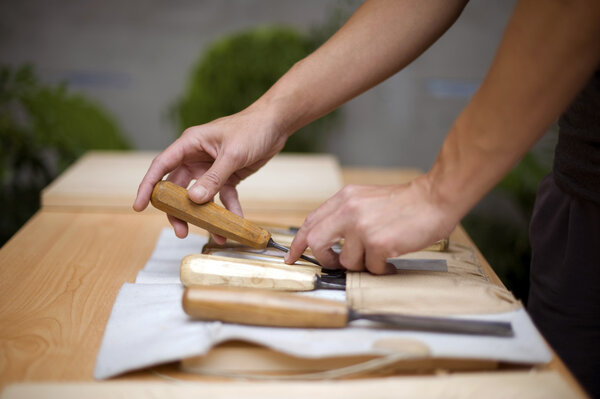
309	221
300	234
361	225
212	178
352	204
349	190
186	134
235	154
348	262
158	163
156	160
375	244
313	240
370	241
310	240
190	131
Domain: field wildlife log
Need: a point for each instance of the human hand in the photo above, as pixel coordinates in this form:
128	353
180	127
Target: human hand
219	155
376	223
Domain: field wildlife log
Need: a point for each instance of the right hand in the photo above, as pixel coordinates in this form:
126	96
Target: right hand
219	154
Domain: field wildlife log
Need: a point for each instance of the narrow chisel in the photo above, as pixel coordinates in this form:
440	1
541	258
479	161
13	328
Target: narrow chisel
280	309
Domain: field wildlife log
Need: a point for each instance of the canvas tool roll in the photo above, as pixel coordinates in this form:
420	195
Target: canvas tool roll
463	289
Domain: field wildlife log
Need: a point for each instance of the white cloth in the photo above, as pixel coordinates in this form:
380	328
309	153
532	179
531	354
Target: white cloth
147	327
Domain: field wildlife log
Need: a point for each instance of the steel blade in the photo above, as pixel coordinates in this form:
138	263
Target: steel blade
439	324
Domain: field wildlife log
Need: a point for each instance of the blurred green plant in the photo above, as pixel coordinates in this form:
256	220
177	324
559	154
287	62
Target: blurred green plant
237	69
43	129
502	239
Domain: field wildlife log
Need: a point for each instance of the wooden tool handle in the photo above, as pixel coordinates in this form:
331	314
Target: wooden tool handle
210	270
263	308
174	200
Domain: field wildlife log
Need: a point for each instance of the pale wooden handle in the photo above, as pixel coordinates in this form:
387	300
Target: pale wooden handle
174	200
210	270
263	308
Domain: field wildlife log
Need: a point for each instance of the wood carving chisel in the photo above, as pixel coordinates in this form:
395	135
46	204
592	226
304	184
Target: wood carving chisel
173	199
211	270
281	309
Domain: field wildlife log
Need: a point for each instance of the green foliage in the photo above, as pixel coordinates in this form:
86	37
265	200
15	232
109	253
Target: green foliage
43	129
237	69
503	239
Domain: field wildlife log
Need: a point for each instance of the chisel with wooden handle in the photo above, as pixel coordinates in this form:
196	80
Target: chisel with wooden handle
173	199
280	309
211	270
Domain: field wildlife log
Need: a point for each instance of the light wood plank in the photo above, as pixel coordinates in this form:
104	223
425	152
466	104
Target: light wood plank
109	181
59	277
540	385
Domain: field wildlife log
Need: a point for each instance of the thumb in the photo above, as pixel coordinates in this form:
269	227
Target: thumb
209	184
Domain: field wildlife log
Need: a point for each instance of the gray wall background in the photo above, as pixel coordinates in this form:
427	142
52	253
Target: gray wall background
134	58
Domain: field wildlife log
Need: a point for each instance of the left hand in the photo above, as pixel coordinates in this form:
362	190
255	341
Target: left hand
376	223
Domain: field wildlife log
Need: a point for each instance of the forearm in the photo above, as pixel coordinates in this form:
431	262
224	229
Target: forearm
549	51
381	38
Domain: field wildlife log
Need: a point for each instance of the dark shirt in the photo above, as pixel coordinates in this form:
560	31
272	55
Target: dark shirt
577	155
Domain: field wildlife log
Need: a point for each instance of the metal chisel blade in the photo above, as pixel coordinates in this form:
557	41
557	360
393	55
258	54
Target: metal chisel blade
439	324
424	265
428	265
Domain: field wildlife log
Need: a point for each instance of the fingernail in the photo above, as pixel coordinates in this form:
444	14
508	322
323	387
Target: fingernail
199	192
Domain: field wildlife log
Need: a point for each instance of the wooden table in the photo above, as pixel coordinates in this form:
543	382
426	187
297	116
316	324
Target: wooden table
60	274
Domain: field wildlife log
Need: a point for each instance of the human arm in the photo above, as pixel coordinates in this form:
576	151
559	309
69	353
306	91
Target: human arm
548	52
379	39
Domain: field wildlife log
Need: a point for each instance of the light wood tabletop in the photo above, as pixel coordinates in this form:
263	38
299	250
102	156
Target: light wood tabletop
60	274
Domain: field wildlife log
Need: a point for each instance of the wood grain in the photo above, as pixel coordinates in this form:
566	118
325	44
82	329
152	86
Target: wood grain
263	308
205	270
269	255
60	274
174	200
287	183
59	277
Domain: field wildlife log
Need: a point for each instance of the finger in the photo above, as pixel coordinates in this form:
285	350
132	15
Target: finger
352	256
298	246
326	215
299	243
324	254
325	210
209	184
164	163
179	226
376	263
180	177
322	237
327	257
229	198
220	240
